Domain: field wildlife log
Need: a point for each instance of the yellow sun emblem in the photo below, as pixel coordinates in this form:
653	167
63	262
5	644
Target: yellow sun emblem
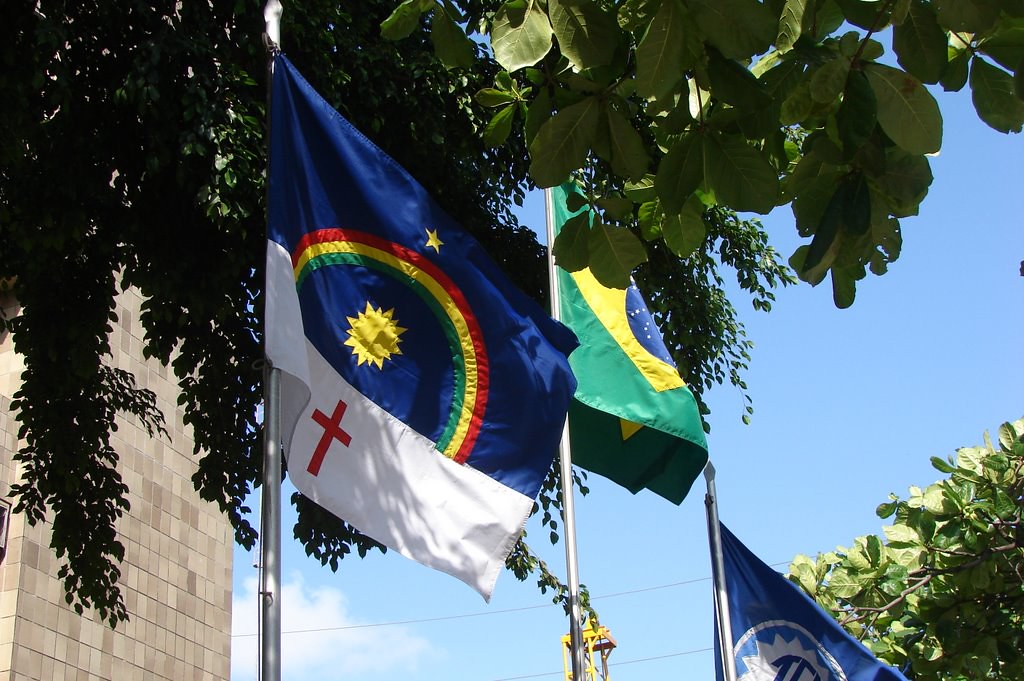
374	336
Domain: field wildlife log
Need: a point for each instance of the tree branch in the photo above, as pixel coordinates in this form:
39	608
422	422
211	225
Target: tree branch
865	611
875	26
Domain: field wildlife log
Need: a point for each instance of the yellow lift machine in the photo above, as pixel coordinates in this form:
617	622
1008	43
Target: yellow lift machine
596	642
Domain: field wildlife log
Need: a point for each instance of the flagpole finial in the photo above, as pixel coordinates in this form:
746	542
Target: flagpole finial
272	16
709	471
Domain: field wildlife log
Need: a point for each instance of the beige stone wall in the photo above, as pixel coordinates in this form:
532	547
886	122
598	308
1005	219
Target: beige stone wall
176	577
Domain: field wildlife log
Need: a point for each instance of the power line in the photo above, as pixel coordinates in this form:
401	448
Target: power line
398	622
610	664
475	614
651	588
317	630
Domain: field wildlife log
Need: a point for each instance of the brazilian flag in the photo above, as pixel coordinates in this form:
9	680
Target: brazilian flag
633	420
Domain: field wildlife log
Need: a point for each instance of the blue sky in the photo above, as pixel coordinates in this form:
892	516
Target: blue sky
849	406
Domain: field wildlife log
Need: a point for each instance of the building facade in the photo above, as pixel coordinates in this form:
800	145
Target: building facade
176	575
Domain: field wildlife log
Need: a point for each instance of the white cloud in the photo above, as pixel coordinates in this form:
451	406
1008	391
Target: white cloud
321	648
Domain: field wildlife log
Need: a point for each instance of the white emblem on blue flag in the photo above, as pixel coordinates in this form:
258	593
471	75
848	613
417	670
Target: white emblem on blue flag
778	650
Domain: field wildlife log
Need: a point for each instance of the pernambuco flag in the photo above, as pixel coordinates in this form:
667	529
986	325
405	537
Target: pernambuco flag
423	395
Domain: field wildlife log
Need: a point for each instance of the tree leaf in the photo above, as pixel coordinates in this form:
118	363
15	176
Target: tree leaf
825	20
503	80
920	43
492	97
797	105
1006	45
614	252
901	534
955	76
570	250
893	570
992	92
601	145
796	263
734	84
739	29
649	217
783	78
685	231
866	14
740	175
680	172
451	44
900	9
810	204
970	16
562	142
1007	437
666	51
850	44
874	549
618	207
575	201
844	585
887	239
1018	80
935	501
587	35
857	115
857	207
677	118
803	569
790	24
537	114
846	271
521	34
642	190
634	14
857	556
405	19
821	252
829	80
905	182
872	50
499	127
885	510
629	156
907	112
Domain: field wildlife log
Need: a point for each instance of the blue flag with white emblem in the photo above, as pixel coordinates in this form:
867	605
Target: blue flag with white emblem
422	395
781	634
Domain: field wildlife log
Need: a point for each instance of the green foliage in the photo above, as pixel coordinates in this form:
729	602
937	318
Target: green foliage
133	155
944	592
125	162
739	98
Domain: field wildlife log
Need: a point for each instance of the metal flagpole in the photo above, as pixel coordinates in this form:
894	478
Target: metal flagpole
718	574
270	524
270	539
565	460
